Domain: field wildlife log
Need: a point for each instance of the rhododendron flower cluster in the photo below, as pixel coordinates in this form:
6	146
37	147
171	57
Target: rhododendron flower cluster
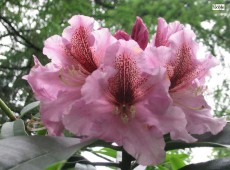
122	88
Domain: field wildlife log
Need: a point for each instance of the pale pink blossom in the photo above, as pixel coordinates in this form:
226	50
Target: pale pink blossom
122	89
139	33
186	73
74	56
123	104
164	31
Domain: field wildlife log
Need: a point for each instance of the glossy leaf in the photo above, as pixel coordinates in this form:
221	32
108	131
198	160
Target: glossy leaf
36	152
206	140
15	128
218	164
28	108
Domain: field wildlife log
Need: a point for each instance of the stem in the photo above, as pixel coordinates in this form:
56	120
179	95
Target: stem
7	110
106	145
110	164
126	161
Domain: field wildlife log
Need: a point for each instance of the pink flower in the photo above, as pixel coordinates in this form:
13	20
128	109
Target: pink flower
119	90
186	74
73	57
123	104
164	31
139	33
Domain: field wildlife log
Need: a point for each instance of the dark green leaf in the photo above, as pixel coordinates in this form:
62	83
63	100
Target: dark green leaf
28	108
36	152
206	140
15	128
218	164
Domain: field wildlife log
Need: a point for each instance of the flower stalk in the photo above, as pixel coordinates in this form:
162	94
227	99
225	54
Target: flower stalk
127	159
9	113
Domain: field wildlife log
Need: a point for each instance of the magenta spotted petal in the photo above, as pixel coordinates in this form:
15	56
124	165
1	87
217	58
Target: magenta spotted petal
183	67
73	57
187	73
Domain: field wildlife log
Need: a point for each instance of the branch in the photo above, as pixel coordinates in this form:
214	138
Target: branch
127	159
5	35
100	163
90	150
99	2
106	145
18	33
105	164
14	67
7	110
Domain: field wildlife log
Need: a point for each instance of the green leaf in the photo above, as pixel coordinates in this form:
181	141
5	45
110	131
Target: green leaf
36	152
174	160
176	163
56	166
218	164
84	167
158	167
107	151
28	108
222	139
15	128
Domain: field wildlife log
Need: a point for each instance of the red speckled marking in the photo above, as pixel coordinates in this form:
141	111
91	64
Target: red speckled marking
124	86
81	52
183	69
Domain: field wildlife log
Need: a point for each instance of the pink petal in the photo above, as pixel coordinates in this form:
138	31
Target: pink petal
140	33
157	56
145	143
53	111
120	48
103	39
55	49
122	35
76	22
197	112
46	81
97	120
87	47
184	67
164	116
164	31
91	120
96	83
